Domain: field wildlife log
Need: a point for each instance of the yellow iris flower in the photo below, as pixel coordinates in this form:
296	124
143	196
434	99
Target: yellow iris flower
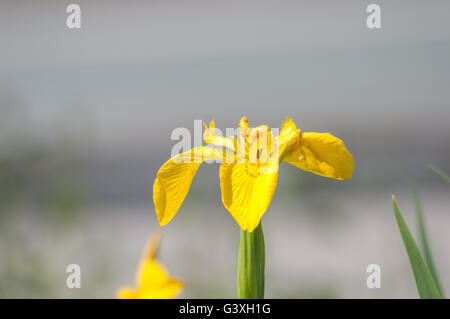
152	280
249	169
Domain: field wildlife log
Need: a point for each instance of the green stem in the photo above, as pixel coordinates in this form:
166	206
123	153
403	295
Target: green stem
251	263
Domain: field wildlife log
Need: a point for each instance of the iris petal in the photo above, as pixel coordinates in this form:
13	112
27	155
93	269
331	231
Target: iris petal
247	191
322	154
174	179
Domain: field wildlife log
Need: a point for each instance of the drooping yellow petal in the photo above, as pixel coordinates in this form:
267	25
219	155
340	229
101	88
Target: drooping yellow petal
210	137
322	154
174	179
247	190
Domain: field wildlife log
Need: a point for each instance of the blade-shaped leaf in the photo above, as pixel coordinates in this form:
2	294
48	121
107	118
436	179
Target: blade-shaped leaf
424	281
424	238
440	172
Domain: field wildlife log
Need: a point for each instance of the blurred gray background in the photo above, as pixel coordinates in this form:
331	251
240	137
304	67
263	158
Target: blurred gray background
86	117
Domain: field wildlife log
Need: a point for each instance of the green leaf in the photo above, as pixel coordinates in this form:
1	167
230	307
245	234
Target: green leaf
424	281
251	264
440	172
424	238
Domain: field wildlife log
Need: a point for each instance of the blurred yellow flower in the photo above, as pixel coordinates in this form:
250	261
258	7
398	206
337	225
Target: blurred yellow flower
152	280
249	169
